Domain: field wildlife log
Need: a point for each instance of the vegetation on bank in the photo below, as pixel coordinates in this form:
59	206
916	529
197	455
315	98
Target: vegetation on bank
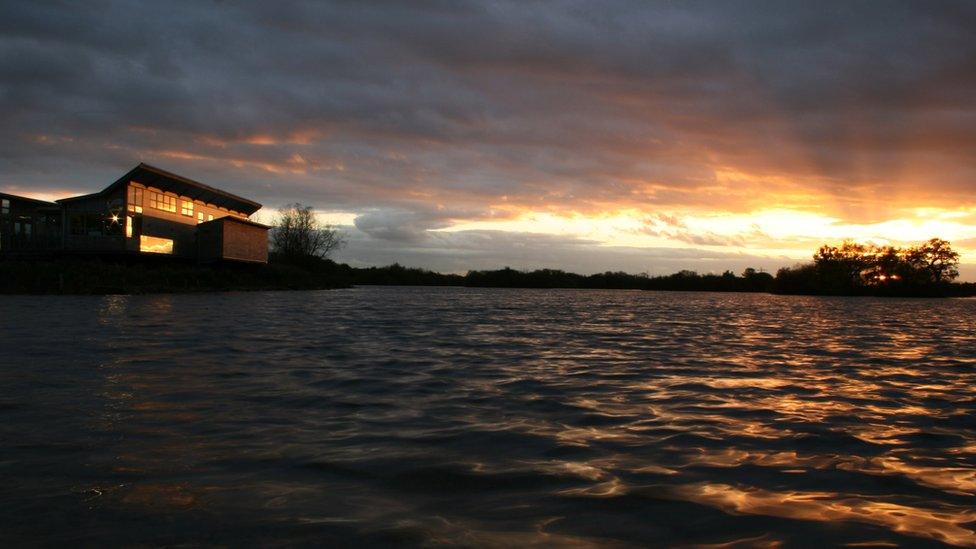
90	275
927	270
858	269
850	269
297	234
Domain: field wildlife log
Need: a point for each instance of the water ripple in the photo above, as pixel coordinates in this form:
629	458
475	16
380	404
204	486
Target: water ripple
438	416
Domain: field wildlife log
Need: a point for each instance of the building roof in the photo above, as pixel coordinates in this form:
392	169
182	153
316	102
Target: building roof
152	176
34	201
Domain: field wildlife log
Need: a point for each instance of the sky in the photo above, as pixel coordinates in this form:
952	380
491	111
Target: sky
455	135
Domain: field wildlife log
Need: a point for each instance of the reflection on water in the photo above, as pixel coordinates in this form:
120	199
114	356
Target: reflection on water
413	416
948	524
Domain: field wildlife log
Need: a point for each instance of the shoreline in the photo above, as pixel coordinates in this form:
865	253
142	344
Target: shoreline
139	276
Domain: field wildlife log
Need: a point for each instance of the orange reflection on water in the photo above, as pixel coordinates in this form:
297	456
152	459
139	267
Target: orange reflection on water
759	542
955	480
744	382
731	457
949	525
609	489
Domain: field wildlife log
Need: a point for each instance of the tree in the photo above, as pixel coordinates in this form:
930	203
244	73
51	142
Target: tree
886	264
935	260
297	233
853	268
840	269
757	281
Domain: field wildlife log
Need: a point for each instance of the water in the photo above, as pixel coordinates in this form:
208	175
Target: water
429	416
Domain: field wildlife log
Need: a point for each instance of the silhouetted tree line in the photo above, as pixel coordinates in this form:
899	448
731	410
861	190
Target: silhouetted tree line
397	274
848	269
391	275
858	269
750	281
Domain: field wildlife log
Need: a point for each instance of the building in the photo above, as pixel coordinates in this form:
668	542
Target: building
146	211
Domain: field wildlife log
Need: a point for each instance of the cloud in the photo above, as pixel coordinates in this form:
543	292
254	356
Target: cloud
399	111
397	226
477	249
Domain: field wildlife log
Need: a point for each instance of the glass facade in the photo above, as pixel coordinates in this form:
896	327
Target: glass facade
162	201
135	199
155	245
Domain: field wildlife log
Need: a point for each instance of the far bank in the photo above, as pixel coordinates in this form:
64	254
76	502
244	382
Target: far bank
142	275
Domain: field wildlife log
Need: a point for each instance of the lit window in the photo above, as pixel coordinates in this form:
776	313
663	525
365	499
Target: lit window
209	217
128	226
199	217
135	199
186	207
155	245
162	202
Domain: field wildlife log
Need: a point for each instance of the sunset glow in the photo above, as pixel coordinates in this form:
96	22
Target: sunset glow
488	273
644	138
785	233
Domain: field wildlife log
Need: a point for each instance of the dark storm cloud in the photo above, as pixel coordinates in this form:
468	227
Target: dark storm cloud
493	95
380	107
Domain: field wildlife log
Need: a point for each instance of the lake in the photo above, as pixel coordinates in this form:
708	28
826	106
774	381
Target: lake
487	417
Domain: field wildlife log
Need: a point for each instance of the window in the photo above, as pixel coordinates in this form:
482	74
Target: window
4	206
23	226
162	202
186	207
135	199
199	217
87	224
209	217
128	226
155	245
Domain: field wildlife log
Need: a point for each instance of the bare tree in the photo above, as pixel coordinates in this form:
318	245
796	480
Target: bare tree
297	233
